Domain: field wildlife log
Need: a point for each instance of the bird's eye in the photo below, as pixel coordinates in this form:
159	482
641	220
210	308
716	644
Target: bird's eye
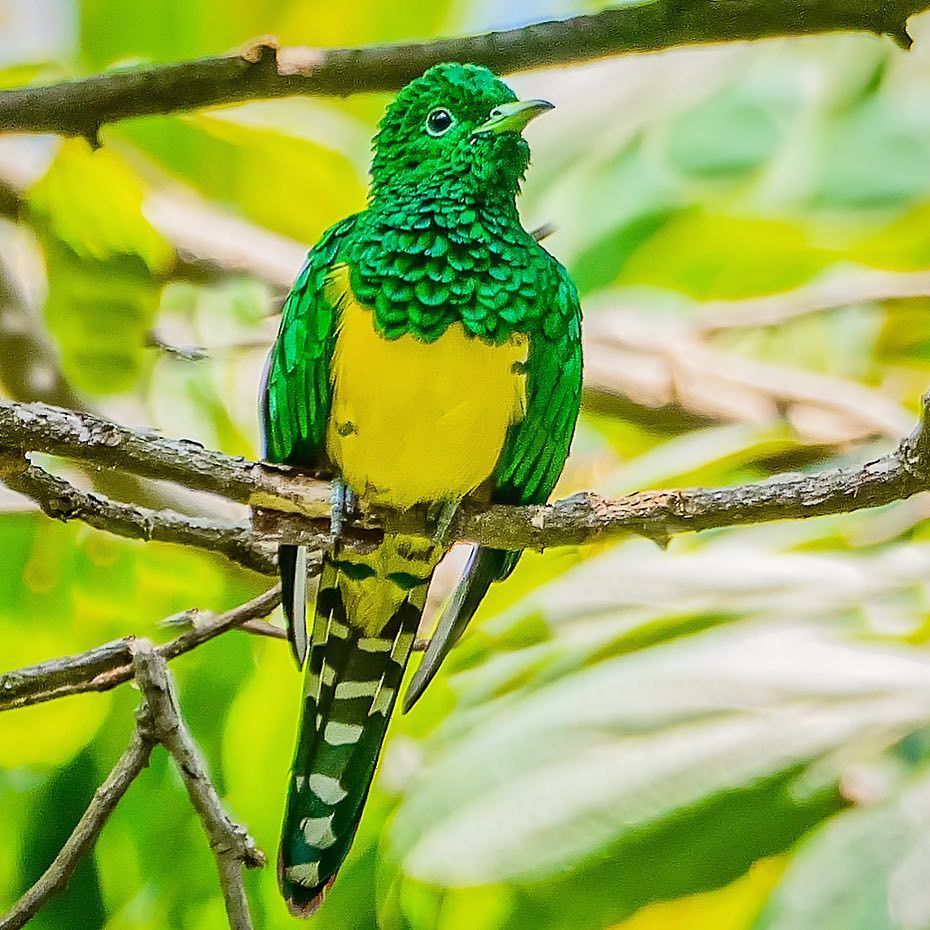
439	122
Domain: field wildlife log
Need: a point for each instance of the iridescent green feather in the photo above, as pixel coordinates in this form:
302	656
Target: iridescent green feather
298	392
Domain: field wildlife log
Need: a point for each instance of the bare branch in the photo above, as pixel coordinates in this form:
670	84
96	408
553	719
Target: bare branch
158	720
109	665
581	519
232	846
62	501
104	444
85	834
852	286
263	70
263	628
666	369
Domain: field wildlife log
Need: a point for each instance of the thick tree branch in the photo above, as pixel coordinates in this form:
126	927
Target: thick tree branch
109	665
81	107
300	502
104	444
158	720
62	501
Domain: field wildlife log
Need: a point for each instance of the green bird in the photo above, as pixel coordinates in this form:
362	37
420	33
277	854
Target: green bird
429	350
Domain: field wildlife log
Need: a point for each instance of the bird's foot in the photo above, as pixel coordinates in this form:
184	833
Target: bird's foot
444	517
344	503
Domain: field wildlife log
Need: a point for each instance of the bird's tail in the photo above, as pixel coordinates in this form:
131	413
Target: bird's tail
367	612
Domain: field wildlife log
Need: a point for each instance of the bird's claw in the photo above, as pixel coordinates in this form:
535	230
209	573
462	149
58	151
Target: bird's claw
343	507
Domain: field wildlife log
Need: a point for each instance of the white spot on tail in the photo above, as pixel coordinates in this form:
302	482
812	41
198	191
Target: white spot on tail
306	874
382	702
339	630
339	734
374	644
318	831
356	689
327	789
402	647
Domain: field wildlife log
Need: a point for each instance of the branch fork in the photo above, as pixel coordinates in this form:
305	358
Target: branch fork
158	721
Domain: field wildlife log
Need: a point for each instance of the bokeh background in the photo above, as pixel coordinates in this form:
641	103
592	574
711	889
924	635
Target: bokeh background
729	734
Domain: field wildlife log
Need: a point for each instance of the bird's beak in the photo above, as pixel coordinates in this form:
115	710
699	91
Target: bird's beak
513	117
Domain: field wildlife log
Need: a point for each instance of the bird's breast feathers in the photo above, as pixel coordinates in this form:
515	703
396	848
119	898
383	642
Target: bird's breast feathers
415	422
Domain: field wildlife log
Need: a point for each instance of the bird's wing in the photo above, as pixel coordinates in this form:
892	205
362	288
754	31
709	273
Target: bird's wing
530	465
297	390
296	398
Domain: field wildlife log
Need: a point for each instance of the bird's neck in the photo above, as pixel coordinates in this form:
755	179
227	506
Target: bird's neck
447	205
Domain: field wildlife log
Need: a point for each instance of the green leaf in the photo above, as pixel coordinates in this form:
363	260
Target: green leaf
724	137
725	257
648	776
874	157
103	259
90	200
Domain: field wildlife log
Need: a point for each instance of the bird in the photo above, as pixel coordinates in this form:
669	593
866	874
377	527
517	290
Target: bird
428	352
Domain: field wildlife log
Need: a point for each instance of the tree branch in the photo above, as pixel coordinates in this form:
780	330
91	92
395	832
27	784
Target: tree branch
81	107
81	841
109	665
104	444
586	518
656	371
62	501
158	720
232	846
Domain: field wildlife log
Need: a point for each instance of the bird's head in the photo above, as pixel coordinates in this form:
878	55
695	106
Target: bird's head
458	127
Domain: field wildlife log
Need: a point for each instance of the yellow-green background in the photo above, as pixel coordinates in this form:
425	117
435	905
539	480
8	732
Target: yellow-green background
727	735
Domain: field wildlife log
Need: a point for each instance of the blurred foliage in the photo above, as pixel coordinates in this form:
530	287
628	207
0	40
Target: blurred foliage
729	735
103	257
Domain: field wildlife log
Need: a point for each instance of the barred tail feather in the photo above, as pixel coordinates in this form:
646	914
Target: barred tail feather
355	668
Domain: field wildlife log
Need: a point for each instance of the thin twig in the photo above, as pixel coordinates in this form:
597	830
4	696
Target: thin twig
82	839
263	628
263	70
232	846
158	720
109	665
851	287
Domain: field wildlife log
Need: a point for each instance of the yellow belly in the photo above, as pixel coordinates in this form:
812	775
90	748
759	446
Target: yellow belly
415	422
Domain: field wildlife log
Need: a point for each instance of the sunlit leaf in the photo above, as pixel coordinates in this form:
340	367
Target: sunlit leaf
102	256
673	749
725	257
